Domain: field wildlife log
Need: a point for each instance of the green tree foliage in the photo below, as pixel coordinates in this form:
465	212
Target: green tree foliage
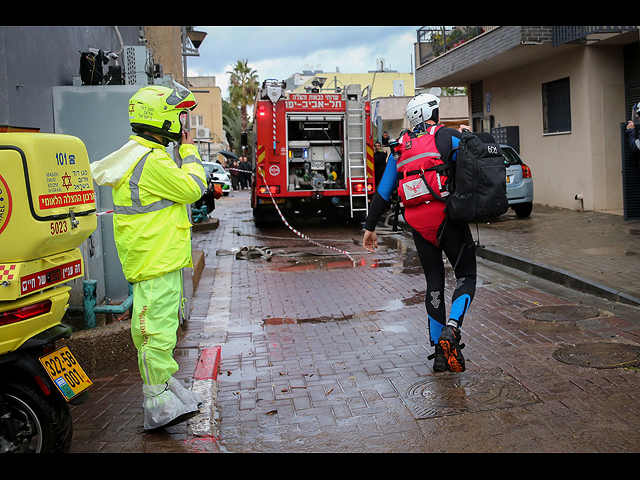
243	88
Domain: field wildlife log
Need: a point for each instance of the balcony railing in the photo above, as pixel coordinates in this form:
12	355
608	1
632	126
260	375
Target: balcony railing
580	34
434	41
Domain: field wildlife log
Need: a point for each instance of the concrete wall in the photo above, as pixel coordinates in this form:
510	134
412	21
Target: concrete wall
588	159
35	59
165	44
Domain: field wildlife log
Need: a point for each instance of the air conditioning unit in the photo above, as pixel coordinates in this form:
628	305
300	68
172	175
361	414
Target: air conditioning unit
202	132
139	65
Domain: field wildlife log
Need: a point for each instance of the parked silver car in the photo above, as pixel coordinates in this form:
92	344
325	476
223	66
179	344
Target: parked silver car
519	182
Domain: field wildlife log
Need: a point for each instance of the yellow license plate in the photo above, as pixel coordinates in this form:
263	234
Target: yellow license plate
66	372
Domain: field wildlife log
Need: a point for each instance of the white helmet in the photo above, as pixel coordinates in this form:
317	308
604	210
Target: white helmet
422	108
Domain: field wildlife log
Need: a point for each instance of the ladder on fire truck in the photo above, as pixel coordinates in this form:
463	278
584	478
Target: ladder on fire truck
357	149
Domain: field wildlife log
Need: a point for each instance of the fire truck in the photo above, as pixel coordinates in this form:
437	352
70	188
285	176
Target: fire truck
313	153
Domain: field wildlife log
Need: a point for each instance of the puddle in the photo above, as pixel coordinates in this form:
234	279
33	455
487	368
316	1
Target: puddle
368	315
418	298
321	263
390	243
294	321
279	321
386	245
392	306
410	265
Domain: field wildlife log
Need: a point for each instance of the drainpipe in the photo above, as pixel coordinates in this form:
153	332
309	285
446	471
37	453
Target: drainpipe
581	198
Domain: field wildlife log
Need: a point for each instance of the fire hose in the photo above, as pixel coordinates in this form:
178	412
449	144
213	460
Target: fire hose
300	234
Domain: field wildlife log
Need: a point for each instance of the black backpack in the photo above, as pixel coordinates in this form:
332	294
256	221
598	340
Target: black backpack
479	182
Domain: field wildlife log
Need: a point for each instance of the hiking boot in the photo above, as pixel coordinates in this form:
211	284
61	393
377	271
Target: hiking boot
440	363
449	342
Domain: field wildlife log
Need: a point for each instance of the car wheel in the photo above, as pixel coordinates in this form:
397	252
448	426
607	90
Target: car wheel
523	209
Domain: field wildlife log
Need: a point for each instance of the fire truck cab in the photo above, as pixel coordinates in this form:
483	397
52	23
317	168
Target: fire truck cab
313	153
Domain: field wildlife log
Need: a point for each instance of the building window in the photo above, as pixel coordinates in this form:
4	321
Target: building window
197	121
556	106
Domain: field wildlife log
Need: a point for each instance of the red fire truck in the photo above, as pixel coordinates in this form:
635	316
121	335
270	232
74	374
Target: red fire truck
313	153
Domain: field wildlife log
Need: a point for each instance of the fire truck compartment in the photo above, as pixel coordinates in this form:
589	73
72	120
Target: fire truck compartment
316	152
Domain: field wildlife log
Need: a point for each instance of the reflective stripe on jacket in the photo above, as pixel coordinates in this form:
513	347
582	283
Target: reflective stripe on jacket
151	225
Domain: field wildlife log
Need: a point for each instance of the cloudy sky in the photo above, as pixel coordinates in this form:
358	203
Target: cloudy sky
279	52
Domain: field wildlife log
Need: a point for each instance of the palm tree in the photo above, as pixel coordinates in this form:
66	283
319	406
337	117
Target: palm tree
243	88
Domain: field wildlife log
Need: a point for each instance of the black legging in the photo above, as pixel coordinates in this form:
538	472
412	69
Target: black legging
457	243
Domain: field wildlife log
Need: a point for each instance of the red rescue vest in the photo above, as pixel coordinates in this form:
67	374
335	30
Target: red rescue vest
420	180
424	211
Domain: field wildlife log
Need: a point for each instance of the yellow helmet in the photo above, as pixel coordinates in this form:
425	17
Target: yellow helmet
157	109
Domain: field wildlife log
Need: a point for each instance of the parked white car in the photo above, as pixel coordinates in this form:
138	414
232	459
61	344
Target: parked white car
219	175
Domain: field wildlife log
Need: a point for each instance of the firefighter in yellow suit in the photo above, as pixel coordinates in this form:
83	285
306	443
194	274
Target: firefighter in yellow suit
153	238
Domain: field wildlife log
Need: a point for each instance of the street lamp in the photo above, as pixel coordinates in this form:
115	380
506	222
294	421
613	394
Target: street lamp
196	37
191	41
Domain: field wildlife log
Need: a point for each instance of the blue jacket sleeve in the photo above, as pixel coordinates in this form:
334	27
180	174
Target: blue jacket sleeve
389	179
455	141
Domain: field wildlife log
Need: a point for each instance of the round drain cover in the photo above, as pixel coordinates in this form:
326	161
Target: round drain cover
561	313
461	393
600	355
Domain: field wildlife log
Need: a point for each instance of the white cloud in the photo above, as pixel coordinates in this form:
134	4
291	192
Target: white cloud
279	52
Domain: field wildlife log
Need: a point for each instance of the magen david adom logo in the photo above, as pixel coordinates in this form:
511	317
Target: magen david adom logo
5	204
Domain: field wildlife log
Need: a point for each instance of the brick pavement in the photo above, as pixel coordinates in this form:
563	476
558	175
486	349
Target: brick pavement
595	252
321	358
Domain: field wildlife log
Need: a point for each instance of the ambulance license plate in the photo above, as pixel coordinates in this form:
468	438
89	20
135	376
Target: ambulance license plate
66	373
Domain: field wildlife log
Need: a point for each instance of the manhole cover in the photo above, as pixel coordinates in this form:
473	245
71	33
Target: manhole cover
561	313
459	393
600	355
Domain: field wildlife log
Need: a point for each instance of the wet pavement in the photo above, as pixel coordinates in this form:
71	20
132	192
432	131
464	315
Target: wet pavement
310	352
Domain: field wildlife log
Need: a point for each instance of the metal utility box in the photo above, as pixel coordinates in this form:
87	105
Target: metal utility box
99	115
507	136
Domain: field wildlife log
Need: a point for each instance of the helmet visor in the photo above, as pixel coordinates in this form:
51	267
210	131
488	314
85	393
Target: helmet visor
181	97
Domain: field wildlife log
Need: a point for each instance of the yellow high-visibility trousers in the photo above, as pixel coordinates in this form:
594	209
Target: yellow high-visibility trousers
156	310
154	325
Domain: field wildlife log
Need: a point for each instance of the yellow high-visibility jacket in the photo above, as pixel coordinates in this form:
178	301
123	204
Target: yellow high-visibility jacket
150	194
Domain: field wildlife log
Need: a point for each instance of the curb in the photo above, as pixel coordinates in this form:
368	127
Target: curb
555	275
552	274
204	384
216	324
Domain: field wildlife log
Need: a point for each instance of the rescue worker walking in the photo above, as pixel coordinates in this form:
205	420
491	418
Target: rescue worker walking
433	231
153	238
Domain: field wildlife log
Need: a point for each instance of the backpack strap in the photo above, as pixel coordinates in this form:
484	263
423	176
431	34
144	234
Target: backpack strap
438	169
435	194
